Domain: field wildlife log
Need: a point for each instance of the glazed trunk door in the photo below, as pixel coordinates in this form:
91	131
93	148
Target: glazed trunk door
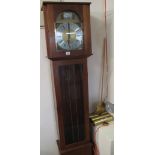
73	103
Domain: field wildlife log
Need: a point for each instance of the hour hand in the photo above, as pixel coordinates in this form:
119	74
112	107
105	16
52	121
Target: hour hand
68	44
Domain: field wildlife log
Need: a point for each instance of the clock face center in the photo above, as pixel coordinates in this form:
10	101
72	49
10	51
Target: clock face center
69	36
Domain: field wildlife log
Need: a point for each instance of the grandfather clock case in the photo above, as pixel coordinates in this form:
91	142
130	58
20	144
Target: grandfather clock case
68	38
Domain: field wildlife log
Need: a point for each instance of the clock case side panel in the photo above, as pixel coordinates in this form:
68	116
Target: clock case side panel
56	65
54	97
51	12
87	30
49	29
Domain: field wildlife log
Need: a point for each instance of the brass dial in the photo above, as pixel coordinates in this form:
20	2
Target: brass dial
69	34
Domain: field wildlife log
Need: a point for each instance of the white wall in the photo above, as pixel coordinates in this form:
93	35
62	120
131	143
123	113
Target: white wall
48	125
110	30
48	129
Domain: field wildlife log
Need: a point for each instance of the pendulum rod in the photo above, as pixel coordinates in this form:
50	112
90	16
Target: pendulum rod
76	101
105	63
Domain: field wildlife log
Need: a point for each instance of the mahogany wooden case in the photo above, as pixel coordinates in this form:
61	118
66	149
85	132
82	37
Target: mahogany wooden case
70	78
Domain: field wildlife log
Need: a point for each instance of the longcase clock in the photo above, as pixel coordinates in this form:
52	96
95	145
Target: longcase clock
68	37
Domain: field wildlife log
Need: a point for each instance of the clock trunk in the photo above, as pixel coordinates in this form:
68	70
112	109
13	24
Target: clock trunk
71	87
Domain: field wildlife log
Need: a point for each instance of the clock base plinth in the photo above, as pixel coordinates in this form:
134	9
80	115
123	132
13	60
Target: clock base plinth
84	149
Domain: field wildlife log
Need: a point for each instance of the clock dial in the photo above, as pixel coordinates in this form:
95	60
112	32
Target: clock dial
69	34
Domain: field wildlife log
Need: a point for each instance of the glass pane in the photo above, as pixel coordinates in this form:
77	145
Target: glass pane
71	84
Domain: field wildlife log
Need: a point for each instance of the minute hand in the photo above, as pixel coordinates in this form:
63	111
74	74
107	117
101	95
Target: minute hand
69	35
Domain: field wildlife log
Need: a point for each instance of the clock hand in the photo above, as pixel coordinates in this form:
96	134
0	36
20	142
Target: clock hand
68	34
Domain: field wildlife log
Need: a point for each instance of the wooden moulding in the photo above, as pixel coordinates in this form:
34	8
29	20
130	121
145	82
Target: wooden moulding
84	149
49	2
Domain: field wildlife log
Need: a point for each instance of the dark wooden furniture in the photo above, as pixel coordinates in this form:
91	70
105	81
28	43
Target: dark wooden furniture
68	38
